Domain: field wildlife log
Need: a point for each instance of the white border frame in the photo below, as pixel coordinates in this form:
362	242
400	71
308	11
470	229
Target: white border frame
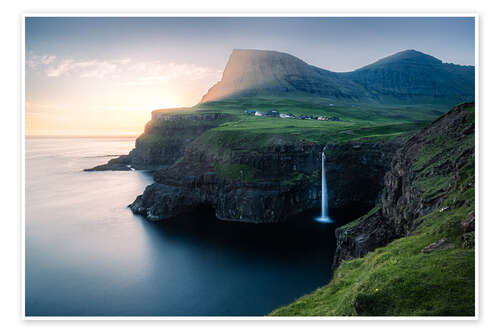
236	14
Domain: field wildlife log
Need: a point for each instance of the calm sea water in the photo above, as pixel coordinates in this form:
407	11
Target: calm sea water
88	255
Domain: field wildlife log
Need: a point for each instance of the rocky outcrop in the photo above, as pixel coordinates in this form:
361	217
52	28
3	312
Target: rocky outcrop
442	244
356	241
285	180
120	163
164	140
429	166
467	229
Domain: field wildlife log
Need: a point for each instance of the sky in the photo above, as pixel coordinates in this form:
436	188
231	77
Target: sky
102	76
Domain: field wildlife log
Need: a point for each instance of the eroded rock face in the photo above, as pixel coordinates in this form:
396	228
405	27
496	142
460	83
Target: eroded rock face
160	201
286	181
402	200
442	244
357	241
467	228
468	225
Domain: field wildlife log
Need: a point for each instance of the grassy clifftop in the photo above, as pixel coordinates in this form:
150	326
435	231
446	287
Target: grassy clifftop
400	279
222	128
357	121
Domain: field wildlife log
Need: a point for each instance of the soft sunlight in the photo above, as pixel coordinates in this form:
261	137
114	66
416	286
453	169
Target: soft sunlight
125	118
106	97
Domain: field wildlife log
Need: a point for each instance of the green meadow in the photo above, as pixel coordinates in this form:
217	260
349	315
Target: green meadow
358	122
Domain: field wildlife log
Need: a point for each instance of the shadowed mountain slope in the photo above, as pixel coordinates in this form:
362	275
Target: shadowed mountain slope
414	77
405	77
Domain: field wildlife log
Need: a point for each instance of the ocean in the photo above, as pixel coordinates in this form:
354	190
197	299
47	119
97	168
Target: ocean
88	255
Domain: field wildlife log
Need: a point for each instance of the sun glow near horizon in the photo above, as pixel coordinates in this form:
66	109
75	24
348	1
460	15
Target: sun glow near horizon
98	98
100	119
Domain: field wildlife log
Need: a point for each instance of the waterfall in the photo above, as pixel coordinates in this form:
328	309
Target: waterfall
324	218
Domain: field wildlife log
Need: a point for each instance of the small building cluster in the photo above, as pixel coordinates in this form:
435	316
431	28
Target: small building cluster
276	114
307	117
272	113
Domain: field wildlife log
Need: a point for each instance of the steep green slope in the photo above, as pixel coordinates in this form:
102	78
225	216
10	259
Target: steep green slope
435	205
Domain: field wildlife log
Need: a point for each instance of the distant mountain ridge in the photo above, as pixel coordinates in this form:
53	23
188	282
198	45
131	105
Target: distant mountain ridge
407	77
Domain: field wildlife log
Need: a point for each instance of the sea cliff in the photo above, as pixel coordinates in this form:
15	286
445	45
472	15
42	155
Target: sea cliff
413	253
266	184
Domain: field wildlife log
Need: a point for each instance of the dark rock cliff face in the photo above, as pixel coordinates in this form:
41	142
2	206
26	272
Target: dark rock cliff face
422	173
286	181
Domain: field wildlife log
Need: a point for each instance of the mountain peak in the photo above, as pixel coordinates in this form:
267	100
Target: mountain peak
248	71
415	55
409	53
249	56
405	57
257	52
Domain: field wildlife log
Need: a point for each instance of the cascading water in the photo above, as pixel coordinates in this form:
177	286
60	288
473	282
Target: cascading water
324	218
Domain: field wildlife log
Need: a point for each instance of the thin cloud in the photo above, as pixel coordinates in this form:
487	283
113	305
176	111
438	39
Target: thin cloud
124	70
60	69
150	73
85	69
35	61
